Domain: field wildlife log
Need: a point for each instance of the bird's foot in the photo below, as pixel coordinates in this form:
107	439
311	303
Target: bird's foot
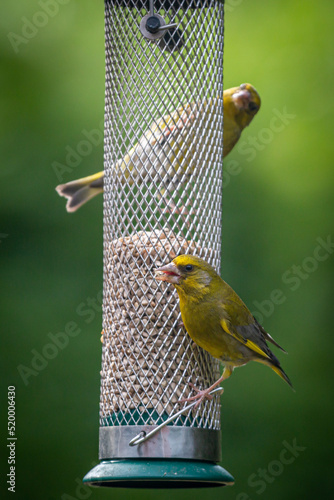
201	395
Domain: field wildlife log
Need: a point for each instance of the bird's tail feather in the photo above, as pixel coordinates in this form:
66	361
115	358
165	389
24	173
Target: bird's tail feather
80	191
273	363
281	373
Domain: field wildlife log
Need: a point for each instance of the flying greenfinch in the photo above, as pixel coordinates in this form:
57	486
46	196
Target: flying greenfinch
217	320
168	148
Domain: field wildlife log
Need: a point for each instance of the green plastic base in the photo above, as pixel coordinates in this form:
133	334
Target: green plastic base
150	473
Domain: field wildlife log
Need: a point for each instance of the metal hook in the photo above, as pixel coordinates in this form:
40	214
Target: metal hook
143	436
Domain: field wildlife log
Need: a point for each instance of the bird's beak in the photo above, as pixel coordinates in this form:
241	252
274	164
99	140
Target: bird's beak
241	99
169	273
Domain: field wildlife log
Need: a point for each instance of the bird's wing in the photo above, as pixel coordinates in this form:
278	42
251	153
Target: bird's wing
244	327
170	126
250	336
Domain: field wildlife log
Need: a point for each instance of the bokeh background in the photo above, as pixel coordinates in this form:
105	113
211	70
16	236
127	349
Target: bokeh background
278	209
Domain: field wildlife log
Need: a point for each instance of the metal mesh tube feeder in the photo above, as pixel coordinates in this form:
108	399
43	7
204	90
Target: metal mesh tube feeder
162	197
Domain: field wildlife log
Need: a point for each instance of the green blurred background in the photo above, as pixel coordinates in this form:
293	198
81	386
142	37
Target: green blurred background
275	210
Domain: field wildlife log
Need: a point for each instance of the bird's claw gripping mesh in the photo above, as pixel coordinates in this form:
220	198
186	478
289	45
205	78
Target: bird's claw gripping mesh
162	197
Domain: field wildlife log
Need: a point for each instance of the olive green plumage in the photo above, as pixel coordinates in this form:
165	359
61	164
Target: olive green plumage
216	318
169	145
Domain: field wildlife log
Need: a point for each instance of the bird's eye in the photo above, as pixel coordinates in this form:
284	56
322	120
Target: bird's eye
252	106
188	267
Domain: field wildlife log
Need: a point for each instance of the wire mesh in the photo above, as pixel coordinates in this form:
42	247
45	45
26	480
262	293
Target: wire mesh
162	197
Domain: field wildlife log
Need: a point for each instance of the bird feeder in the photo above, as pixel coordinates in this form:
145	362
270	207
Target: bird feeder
162	197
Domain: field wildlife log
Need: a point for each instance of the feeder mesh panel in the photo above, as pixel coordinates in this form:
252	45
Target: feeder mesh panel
162	197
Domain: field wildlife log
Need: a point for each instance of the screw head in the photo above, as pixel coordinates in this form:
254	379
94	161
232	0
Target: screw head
153	24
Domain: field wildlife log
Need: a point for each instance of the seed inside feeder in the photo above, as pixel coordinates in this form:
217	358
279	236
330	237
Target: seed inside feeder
148	358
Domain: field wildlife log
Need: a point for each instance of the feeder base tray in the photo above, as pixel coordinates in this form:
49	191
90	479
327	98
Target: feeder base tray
156	473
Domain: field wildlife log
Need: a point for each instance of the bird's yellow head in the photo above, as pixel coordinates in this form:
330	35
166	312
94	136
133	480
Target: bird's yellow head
188	273
242	103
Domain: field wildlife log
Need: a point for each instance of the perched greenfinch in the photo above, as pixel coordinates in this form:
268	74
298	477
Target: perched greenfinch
217	320
168	148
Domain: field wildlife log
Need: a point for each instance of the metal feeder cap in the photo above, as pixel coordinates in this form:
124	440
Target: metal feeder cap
153	24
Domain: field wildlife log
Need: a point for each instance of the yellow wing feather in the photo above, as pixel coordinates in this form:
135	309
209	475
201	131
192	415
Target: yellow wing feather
227	327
